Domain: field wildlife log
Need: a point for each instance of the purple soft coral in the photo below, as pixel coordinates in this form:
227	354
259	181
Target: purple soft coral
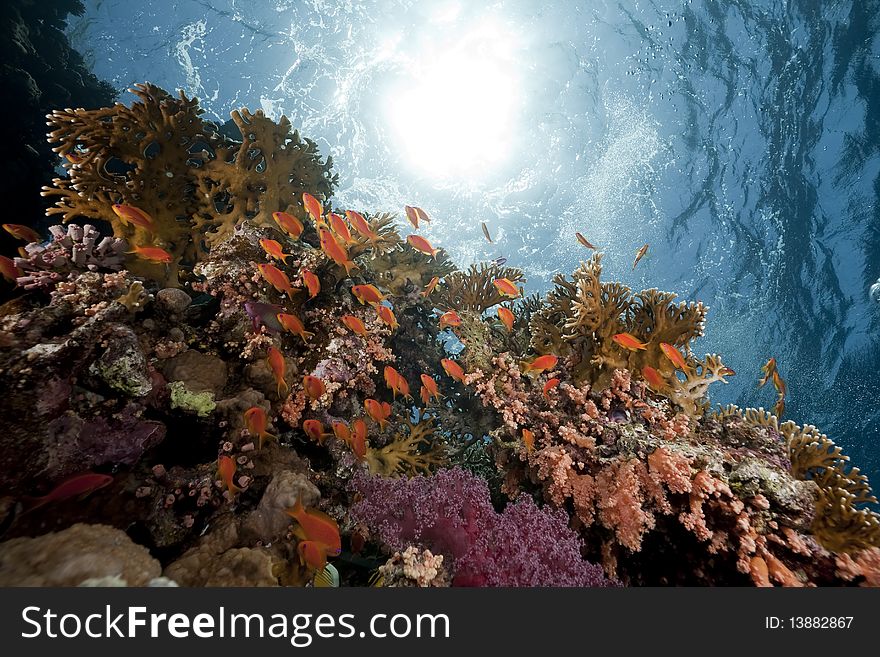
451	513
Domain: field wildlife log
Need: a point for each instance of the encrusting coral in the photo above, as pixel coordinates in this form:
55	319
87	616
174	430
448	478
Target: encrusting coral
277	393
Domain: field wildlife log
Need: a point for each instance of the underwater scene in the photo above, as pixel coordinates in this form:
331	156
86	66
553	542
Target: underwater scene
443	293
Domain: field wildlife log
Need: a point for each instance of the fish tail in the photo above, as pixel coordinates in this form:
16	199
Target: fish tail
282	383
306	333
349	265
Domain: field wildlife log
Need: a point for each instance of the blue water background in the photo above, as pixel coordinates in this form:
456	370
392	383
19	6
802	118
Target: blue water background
739	139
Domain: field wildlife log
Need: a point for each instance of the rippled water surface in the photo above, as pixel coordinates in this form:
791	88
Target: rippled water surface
739	139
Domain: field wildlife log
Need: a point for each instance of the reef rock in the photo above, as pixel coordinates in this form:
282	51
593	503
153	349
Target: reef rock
72	556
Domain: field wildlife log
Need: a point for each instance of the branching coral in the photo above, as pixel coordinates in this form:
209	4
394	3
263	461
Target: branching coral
196	185
417	450
473	289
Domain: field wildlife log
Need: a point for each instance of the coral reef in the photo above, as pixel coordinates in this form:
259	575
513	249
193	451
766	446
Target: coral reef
282	377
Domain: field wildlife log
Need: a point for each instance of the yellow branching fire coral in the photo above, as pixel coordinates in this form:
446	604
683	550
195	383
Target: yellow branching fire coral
195	184
473	289
414	451
582	316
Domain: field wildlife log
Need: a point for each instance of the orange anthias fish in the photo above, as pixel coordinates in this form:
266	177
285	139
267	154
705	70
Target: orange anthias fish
395	382
25	233
317	526
778	383
387	316
486	232
770	371
415	214
153	254
312	283
312	554
226	467
276	363
256	421
313	386
422	245
629	341
506	288
449	318
528	439
507	318
275	250
430	385
583	240
779	407
429	288
640	254
78	485
313	207
335	251
453	369
367	294
728	371
341	431
541	364
361	225
653	377
380	412
277	279
293	324
314	430
359	438
355	325
134	216
552	383
289	224
337	225
8	269
674	355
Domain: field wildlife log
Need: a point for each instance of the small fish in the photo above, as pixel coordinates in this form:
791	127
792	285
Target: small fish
277	279
313	386
552	383
629	341
727	371
226	467
528	439
130	215
361	225
312	554
289	224
341	431
312	283
395	382
276	363
22	233
73	158
506	316
778	383
653	377
429	288
422	245
293	324
779	408
640	254
337	225
380	412
453	369
335	251
313	207
81	484
274	250
359	438
768	368
314	430
367	294
355	325
430	385
415	214
500	261
8	269
153	254
506	288
541	364
317	525
583	240
256	421
449	318
486	232
674	355
264	314
387	316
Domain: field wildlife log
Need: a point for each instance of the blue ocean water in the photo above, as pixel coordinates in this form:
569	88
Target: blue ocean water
739	139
